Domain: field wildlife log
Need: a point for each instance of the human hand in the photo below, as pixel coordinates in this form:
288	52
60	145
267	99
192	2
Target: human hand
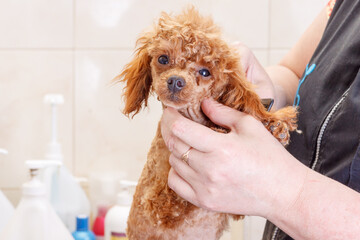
241	172
255	72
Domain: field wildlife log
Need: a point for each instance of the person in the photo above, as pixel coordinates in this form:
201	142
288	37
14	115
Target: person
309	190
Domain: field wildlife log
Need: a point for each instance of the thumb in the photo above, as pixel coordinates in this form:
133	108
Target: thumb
220	114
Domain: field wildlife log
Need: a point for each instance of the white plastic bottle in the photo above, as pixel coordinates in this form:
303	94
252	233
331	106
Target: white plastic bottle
34	218
6	208
116	217
64	192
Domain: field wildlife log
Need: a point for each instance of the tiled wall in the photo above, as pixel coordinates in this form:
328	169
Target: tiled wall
75	47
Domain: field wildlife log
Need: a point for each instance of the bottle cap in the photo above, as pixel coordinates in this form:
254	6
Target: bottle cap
34	187
124	198
102	210
82	223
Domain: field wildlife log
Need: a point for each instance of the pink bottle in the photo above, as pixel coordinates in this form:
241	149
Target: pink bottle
99	223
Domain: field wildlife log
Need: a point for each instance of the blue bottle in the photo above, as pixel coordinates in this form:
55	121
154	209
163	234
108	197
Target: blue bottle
82	229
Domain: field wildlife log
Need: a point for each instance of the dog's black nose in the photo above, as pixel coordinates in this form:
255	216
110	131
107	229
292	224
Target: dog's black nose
175	83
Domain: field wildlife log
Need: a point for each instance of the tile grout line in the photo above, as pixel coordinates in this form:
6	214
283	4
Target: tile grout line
11	188
75	49
73	131
69	49
269	32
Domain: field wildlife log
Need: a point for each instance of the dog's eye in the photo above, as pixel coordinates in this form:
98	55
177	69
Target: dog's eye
204	72
163	59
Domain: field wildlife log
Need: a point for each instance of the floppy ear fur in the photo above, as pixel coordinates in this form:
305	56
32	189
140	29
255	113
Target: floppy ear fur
137	77
239	94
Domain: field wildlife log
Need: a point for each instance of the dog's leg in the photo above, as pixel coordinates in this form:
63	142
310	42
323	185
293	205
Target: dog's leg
281	123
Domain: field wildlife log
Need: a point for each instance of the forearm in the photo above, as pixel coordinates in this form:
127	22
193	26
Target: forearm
321	209
285	83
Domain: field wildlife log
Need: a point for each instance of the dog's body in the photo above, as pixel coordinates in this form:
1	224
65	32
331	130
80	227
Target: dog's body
183	60
159	213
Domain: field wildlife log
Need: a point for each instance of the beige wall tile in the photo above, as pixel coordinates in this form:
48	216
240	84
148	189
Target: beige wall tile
36	24
106	140
244	21
226	236
290	18
261	56
118	23
13	195
237	230
25	77
253	227
275	55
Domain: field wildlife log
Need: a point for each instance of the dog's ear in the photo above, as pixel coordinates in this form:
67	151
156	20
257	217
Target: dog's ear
238	92
137	78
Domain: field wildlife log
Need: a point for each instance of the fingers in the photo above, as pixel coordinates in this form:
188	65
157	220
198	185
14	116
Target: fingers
169	116
181	187
182	168
220	114
175	127
179	148
196	161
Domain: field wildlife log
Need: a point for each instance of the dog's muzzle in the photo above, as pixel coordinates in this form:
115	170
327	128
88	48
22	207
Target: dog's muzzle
175	84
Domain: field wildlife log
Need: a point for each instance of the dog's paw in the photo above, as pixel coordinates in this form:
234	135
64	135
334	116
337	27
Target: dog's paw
281	123
280	130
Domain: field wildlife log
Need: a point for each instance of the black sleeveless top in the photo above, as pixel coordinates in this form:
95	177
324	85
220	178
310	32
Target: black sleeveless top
329	105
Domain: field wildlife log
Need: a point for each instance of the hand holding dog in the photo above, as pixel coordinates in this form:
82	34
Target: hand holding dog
255	73
248	172
241	172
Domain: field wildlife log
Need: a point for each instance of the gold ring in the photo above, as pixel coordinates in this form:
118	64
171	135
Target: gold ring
185	156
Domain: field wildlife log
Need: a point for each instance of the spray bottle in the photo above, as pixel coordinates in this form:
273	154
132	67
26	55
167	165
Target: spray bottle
65	194
34	218
116	218
6	208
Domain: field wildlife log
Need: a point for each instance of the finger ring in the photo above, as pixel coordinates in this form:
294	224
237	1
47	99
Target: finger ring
185	156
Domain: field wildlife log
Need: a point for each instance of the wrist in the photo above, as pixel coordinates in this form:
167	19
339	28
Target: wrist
285	82
280	99
288	188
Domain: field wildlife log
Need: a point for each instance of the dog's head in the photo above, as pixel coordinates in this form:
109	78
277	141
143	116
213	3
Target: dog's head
184	60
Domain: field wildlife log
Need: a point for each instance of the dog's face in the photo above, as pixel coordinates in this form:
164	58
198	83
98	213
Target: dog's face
181	77
184	60
180	82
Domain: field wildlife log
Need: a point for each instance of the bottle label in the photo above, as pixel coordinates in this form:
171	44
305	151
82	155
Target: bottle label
118	236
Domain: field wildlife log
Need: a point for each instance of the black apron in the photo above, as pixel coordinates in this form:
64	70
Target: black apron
329	105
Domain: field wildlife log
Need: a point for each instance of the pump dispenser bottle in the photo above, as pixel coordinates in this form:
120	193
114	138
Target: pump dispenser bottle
34	218
64	192
116	218
6	208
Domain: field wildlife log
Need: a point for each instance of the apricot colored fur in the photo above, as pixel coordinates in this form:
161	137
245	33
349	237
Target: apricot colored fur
192	42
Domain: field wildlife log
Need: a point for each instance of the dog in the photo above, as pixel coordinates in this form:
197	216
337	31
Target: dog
183	60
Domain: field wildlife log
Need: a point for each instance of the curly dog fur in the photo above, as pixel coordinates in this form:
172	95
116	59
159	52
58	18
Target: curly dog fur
184	60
